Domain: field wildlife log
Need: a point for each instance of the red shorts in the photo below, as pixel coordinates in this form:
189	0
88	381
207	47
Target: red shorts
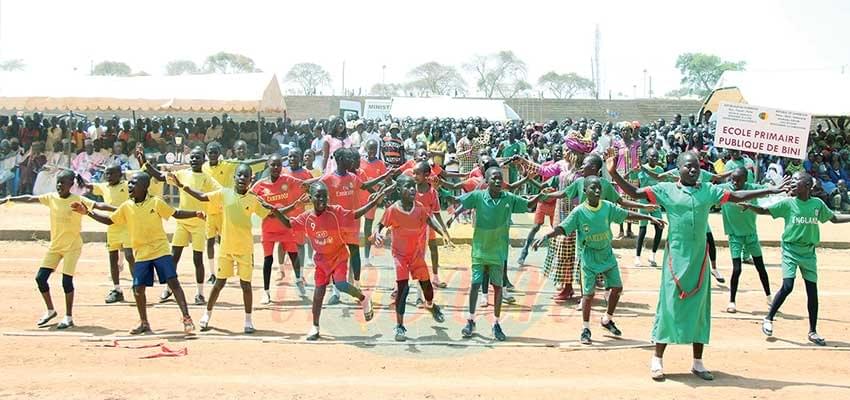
288	246
350	237
324	272
432	234
405	269
542	211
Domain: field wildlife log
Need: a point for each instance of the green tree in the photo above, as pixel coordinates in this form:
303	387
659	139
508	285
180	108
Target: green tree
700	72
229	63
433	78
111	68
565	86
12	65
385	90
498	73
180	67
309	77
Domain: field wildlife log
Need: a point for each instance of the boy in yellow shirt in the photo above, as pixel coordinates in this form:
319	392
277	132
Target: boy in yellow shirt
114	192
222	171
65	243
191	231
237	240
143	216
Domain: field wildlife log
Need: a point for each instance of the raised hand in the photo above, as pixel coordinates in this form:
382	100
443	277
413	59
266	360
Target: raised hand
173	178
79	207
611	159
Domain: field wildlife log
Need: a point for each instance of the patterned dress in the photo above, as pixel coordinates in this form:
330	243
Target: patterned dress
559	266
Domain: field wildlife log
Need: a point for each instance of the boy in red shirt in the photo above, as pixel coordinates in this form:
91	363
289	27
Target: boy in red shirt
427	196
324	226
297	160
343	189
280	191
371	167
409	221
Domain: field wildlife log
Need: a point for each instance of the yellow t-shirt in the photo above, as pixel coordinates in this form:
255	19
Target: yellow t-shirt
236	235
440	146
65	224
113	195
144	223
224	172
200	182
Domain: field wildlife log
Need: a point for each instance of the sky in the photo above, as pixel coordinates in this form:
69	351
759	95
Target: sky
67	37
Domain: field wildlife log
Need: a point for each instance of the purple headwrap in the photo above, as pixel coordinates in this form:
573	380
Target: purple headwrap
577	144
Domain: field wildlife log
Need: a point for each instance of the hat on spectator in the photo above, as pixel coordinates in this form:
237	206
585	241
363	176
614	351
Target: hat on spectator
394	125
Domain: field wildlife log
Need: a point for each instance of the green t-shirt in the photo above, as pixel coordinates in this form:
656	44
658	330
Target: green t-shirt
704	176
801	219
510	150
593	231
576	190
645	179
490	240
745	163
736	220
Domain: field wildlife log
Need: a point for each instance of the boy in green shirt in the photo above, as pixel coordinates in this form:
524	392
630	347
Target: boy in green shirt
490	241
740	226
802	214
592	223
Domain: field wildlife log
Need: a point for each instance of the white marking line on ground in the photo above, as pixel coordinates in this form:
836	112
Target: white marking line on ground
136	338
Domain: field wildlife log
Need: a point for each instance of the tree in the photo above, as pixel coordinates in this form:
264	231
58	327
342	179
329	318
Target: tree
111	68
229	63
12	65
514	89
433	78
180	67
310	77
385	90
565	86
700	72
498	72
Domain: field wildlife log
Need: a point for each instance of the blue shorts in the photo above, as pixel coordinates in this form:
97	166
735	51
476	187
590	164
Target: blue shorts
143	271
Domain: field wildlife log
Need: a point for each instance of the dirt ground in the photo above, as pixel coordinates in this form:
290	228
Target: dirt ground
541	359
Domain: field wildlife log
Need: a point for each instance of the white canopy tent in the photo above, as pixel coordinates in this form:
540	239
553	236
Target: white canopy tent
822	94
238	93
445	107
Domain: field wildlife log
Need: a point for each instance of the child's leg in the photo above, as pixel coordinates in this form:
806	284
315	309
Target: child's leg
367	231
784	291
141	302
211	257
639	242
812	304
68	288
318	299
176	253
586	301
113	268
401	300
656	242
427	291
485	283
354	262
179	296
613	299
736	276
497	299
302	251
198	260
296	264
435	256
712	249
281	258
505	281
267	272
247	295
41	278
351	290
131	259
528	240
216	290
758	261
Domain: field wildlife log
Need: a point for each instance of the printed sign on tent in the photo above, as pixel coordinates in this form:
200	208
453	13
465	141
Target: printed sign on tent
762	130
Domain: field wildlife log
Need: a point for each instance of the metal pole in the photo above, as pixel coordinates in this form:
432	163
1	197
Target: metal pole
259	133
343	77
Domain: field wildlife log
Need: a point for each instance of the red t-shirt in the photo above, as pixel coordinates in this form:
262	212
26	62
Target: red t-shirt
476	173
301	173
408	230
280	193
429	200
343	190
325	234
370	170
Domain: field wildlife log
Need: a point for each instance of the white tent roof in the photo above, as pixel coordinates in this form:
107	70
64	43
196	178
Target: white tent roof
445	107
209	93
816	93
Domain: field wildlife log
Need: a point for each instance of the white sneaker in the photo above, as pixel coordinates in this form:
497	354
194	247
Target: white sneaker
165	294
46	317
767	327
731	309
267	298
718	276
204	323
769	299
368	311
637	262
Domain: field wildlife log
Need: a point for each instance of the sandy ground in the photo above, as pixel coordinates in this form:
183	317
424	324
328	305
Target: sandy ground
542	358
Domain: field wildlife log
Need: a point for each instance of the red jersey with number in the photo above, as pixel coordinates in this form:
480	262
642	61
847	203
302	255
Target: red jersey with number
408	230
280	193
324	231
343	190
368	171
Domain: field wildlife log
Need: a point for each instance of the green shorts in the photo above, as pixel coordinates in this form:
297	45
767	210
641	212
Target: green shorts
588	279
740	245
494	271
803	256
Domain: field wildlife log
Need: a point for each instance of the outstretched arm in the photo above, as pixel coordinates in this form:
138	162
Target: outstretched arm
451	185
104	207
754	208
374	199
200	196
558	230
185	214
739	196
439	228
635	205
154	172
840	218
454	216
82	209
646	217
19	199
369	184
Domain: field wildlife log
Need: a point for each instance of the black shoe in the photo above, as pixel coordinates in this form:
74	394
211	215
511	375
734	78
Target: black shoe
200	300
211	280
437	313
468	330
498	334
114	296
585	336
817	339
612	328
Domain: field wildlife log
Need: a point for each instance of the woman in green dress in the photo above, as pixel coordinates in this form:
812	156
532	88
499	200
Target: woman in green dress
683	313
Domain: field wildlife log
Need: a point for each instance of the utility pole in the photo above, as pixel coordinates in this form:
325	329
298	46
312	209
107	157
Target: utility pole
383	74
343	77
644	83
650	86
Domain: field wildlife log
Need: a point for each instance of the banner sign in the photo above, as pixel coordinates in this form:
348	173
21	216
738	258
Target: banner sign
762	130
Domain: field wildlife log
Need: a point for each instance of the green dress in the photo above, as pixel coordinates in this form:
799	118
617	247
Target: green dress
683	313
510	150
